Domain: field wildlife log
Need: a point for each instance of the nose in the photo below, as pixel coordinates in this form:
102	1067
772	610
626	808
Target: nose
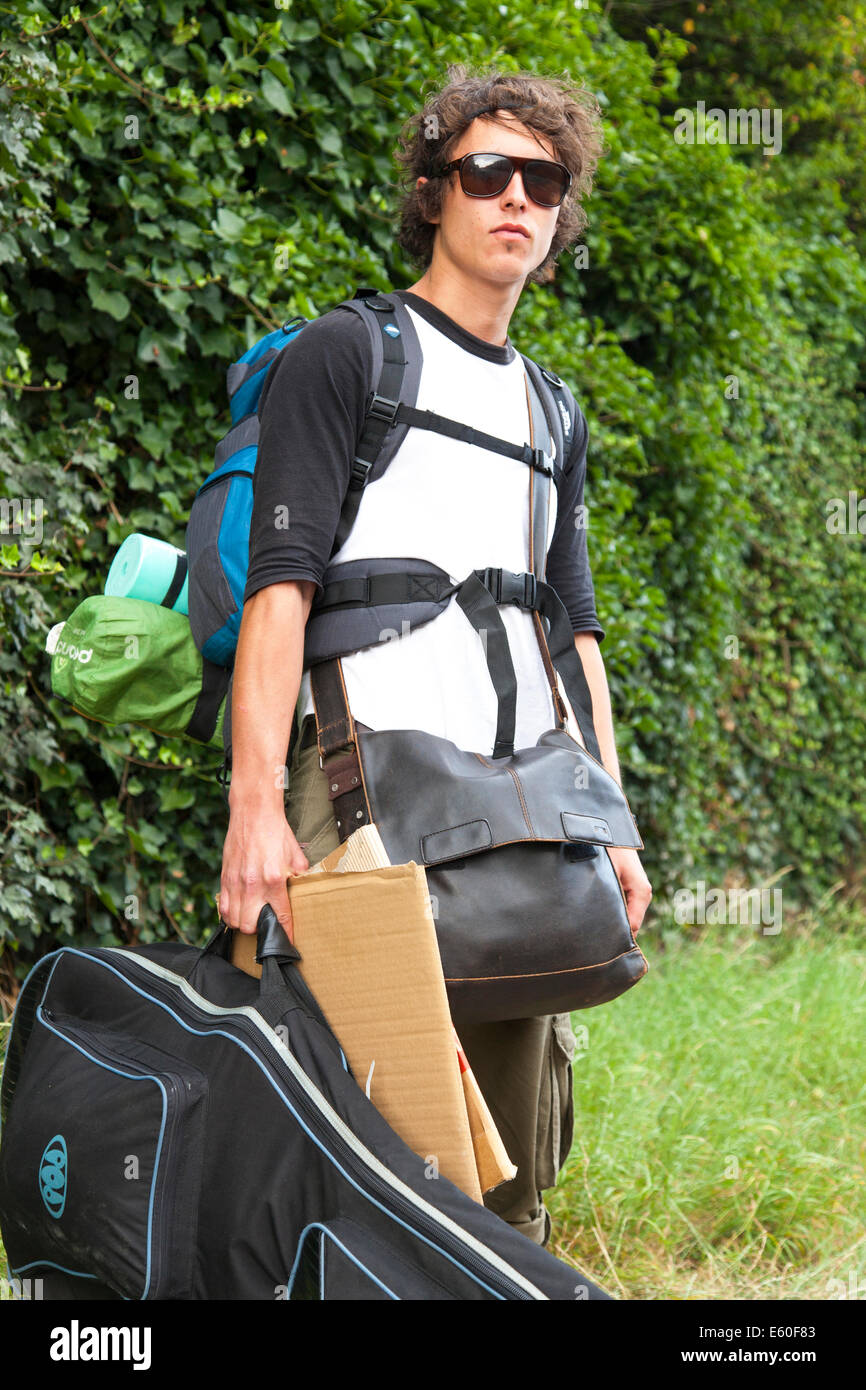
514	190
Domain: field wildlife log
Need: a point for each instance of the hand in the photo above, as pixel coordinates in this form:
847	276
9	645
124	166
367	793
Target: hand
634	883
259	854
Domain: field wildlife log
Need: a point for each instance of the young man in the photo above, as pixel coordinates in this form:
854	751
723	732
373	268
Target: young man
481	227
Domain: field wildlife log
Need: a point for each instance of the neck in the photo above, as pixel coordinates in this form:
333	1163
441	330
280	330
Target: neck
481	308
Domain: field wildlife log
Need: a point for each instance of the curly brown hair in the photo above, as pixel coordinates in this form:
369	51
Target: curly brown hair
555	107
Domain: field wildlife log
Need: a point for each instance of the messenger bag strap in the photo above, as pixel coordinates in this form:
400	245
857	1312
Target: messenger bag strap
557	646
539	501
336	737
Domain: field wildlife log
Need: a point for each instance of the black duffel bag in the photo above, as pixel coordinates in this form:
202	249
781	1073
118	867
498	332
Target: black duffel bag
173	1128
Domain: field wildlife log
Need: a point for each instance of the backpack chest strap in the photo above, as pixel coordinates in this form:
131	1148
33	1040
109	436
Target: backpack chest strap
456	429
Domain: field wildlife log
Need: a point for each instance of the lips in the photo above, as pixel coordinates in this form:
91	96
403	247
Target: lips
511	227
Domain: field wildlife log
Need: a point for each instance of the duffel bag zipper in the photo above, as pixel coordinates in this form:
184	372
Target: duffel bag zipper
486	1273
98	1052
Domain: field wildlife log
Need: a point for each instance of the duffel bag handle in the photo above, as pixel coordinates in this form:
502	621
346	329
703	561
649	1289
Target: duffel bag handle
280	988
272	943
283	989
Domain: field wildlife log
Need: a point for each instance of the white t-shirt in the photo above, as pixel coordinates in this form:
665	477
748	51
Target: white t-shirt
462	508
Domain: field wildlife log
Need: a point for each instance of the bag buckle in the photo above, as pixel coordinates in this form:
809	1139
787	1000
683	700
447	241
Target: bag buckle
530	591
360	469
381	408
542	462
492	580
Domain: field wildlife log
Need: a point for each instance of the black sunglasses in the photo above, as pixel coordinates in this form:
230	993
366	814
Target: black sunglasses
486	175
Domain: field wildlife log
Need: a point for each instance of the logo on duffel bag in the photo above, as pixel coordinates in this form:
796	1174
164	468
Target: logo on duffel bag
52	1175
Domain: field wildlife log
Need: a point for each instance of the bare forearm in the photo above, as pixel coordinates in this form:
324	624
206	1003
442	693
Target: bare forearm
602	715
267	678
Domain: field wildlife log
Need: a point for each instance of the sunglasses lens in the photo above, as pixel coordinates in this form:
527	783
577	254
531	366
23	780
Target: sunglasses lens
485	175
545	183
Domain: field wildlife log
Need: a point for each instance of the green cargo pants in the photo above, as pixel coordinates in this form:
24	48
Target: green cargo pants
523	1066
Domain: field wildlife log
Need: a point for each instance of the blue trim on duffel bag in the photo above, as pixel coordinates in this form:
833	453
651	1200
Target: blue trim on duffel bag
283	1098
131	1076
325	1229
49	1264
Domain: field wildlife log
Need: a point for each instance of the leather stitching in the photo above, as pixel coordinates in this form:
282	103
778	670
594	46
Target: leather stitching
548	974
524	807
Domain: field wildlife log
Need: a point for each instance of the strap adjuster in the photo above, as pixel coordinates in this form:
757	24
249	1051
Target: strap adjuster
360	469
492	580
530	590
381	408
542	462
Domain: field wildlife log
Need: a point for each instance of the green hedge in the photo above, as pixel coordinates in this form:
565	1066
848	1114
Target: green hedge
175	181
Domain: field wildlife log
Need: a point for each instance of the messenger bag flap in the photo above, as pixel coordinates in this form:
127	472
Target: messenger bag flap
433	802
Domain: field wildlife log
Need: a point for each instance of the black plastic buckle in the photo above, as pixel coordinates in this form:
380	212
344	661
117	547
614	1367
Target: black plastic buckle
507	587
542	462
381	408
492	580
360	469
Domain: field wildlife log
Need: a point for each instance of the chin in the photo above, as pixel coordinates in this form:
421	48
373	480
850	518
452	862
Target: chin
513	274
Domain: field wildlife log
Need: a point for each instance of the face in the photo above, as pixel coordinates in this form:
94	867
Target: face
471	230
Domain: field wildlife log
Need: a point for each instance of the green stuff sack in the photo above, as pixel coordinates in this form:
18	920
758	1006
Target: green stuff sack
128	661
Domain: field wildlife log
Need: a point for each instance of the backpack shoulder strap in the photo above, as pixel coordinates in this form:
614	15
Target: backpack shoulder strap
559	406
396	372
553	418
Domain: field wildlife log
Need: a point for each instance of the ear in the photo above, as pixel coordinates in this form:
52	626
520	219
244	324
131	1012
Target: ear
419	183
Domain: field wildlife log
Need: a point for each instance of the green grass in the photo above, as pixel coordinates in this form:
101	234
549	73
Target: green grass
719	1121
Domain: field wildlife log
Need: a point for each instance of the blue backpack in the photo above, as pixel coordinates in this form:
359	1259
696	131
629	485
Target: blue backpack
217	537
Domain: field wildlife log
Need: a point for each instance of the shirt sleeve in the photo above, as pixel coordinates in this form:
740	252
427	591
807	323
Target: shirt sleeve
311	414
567	558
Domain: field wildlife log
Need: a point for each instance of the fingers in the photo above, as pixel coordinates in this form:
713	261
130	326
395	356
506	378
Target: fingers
242	899
638	902
298	861
254	899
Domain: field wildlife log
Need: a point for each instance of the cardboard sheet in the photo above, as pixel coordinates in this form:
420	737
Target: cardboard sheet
369	954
